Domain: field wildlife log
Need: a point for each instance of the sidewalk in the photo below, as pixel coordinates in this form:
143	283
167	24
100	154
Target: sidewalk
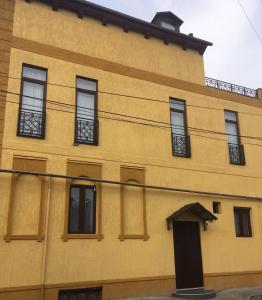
227	294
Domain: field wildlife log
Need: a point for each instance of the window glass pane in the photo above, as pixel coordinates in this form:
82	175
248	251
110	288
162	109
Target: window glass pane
74	210
245	222
89	210
167	26
34	73
177	123
177	104
33	90
231	129
237	222
86	84
85	106
231	116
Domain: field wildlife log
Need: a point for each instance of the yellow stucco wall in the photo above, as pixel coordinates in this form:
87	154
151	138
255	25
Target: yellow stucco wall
88	36
122	143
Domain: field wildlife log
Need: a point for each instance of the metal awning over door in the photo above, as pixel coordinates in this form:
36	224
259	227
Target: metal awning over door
194	208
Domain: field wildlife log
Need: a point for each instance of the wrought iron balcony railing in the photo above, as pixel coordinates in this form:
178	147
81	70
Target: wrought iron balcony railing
236	154
181	145
229	87
86	131
31	123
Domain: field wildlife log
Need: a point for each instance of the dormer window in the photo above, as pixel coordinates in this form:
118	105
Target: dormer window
167	20
167	26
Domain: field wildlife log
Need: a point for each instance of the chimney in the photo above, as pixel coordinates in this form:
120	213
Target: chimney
259	93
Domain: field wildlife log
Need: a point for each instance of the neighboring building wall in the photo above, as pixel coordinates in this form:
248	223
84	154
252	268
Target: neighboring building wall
6	25
133	266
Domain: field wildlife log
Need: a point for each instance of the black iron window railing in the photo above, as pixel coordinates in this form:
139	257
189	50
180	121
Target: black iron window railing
236	154
229	87
181	145
86	131
32	115
31	123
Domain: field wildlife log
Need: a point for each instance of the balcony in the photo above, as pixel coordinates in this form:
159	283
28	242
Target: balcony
31	123
236	154
86	131
229	87
181	145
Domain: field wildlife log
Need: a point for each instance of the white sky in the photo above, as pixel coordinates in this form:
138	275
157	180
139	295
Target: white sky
236	55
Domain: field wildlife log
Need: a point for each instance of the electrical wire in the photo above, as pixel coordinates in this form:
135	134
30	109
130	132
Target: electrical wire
132	96
250	22
145	124
63	104
133	163
124	120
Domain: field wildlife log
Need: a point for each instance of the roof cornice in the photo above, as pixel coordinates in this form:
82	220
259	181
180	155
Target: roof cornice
108	16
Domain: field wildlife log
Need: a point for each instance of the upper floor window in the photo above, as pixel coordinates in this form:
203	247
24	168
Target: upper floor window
236	150
31	119
82	209
180	137
242	221
86	127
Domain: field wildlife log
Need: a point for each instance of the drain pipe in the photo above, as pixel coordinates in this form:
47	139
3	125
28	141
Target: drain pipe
45	241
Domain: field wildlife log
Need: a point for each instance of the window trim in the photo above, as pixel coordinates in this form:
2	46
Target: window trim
96	123
184	112
130	173
234	122
81	216
36	81
241	209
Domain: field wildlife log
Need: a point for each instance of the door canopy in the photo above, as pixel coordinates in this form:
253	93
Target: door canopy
195	208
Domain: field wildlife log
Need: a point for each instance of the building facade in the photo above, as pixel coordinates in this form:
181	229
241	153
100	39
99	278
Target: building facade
122	167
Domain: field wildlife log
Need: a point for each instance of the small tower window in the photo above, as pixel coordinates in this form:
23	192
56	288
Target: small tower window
167	26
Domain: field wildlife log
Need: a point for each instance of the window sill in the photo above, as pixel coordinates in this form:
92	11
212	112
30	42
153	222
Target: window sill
66	237
39	137
78	143
34	237
237	164
181	155
123	237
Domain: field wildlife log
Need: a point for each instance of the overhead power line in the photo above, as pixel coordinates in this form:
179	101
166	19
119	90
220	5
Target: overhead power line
135	163
135	96
156	123
124	183
250	22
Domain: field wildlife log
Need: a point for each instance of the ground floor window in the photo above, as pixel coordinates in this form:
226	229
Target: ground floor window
81	294
242	221
82	209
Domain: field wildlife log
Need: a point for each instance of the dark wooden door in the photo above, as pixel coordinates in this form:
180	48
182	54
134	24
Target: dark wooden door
188	258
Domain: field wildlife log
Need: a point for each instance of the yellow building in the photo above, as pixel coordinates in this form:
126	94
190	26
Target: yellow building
116	153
